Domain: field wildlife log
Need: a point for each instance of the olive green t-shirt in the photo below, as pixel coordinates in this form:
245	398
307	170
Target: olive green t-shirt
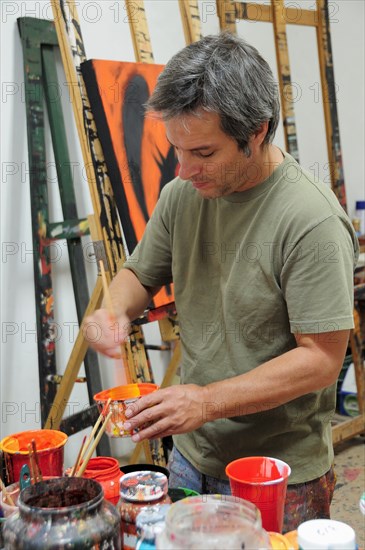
250	270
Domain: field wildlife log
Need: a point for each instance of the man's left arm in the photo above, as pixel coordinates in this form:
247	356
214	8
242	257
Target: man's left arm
313	365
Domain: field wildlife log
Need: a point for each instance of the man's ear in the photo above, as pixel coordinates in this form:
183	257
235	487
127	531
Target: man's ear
261	132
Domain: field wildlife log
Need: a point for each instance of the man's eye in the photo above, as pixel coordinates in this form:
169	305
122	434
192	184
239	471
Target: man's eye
206	155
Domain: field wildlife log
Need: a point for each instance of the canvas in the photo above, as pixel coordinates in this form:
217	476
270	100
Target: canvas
139	158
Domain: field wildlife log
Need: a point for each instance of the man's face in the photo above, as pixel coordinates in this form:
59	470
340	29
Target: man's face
208	157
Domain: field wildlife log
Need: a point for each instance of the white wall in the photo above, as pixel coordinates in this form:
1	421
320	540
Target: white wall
107	35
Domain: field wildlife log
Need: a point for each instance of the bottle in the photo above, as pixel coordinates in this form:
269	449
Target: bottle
137	491
356	222
106	471
150	521
360	214
325	534
212	522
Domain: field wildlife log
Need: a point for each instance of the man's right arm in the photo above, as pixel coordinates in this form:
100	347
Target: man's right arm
130	299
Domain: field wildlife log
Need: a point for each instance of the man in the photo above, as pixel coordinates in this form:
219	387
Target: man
262	260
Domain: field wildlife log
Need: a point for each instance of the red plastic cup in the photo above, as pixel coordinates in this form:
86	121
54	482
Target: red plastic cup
263	481
50	444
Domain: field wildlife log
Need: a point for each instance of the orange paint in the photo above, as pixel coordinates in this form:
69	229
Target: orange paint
50	445
114	80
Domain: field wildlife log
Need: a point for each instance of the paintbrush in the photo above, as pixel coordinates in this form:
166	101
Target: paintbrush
32	466
6	495
93	432
39	476
93	446
110	308
80	453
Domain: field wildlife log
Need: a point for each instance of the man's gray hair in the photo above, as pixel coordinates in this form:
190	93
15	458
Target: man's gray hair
222	74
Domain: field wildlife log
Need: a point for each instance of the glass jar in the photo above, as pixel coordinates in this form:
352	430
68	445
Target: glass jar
212	522
63	513
137	491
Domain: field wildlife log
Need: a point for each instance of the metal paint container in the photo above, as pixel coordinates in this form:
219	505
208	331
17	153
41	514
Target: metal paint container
63	513
50	447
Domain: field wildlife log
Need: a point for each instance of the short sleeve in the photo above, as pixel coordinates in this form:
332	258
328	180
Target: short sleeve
317	279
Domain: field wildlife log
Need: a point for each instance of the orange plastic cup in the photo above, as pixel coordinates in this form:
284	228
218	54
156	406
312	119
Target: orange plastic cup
263	481
50	444
121	398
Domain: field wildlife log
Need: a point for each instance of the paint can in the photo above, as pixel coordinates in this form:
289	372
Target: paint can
121	398
63	513
50	450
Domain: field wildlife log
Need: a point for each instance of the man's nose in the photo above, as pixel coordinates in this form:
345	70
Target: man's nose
189	167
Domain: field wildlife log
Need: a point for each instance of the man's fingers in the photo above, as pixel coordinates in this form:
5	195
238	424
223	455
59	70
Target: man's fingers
156	430
144	404
144	418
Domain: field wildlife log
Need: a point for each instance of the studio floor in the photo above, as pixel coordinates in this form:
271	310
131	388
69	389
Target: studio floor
350	471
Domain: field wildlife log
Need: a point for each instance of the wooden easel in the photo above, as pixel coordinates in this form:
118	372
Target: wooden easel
39	41
277	14
349	428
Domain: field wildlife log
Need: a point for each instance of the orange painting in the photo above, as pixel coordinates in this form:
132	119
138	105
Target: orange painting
139	158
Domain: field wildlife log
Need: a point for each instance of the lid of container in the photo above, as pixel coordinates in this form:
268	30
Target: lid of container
144	485
360	205
318	534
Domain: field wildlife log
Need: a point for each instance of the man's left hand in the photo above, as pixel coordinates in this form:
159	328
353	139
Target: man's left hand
173	410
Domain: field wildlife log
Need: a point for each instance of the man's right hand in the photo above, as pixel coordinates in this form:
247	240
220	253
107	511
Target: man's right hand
104	333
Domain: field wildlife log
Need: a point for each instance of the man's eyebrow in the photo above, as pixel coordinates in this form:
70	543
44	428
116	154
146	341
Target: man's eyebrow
202	148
